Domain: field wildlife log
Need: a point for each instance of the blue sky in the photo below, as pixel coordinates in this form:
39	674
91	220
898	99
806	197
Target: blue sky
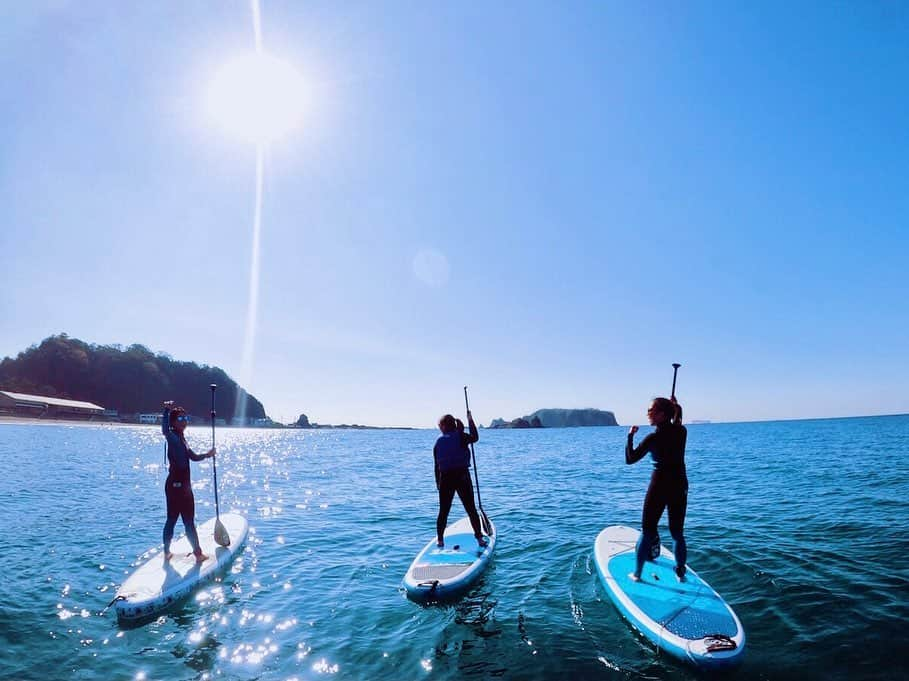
548	202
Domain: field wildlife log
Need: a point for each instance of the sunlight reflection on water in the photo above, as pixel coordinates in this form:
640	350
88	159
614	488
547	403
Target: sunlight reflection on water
334	522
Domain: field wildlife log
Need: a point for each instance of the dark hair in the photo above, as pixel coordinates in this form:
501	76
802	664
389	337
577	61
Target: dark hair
672	411
175	412
447	423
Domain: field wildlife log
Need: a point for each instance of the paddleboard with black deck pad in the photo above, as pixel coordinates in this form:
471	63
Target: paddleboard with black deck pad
686	619
443	573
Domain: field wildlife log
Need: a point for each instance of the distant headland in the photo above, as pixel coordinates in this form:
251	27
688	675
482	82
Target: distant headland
559	418
125	384
66	378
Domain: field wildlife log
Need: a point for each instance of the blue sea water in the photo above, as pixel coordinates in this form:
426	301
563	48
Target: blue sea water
802	526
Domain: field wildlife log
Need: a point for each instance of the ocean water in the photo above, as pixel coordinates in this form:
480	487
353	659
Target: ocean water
802	526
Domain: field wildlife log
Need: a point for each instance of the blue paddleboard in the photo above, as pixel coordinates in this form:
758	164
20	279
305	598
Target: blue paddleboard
687	620
443	573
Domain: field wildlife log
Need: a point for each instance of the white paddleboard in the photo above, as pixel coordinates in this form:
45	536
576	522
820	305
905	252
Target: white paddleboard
443	573
686	619
157	584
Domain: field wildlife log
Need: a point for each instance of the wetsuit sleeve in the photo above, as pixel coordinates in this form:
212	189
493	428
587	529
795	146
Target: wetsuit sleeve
473	435
634	454
435	464
195	457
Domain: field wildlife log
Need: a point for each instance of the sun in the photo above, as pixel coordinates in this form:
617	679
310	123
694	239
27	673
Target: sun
257	97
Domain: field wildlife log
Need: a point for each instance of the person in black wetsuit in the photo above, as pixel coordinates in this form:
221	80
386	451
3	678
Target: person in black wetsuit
177	488
668	482
452	468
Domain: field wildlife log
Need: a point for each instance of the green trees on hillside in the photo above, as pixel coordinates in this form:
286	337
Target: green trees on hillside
131	379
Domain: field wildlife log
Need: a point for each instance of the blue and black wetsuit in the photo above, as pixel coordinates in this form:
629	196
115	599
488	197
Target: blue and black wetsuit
452	458
668	489
177	488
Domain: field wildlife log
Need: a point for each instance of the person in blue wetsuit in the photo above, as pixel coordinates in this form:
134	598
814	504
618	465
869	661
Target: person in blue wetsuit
452	468
177	488
668	483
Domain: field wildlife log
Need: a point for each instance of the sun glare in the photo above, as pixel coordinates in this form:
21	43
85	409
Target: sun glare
257	97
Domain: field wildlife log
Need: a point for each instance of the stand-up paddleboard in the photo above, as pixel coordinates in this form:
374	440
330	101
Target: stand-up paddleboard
688	620
442	573
158	584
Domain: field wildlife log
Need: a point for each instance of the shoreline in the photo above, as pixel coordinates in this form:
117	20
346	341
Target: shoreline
32	421
51	421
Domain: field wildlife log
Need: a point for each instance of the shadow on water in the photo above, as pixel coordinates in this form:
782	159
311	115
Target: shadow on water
202	657
463	645
475	612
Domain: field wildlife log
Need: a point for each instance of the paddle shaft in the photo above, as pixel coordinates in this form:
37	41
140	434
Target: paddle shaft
475	475
214	464
678	410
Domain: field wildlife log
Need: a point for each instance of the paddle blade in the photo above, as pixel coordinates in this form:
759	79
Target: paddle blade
221	536
487	526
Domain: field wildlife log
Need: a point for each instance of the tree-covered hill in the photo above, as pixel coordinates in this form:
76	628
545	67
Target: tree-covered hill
131	380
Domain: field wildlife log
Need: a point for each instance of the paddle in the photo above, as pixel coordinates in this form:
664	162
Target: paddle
675	371
221	535
487	526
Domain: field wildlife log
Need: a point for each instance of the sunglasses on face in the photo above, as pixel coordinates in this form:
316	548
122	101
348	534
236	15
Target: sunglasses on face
185	419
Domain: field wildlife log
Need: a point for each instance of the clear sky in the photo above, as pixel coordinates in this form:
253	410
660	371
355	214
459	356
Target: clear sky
548	202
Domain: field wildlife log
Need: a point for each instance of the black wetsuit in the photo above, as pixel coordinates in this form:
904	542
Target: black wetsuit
668	487
452	466
178	489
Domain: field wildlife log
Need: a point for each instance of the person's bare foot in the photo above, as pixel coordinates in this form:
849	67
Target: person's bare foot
633	577
200	557
168	555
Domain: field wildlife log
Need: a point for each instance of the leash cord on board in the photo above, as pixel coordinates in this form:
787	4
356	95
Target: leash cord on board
107	607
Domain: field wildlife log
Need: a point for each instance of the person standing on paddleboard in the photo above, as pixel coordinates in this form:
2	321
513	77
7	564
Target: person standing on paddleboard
178	489
452	464
668	482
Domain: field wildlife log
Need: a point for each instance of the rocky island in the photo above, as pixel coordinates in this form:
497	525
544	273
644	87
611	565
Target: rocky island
304	422
559	418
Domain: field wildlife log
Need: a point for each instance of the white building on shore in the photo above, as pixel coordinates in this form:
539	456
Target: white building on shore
40	406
